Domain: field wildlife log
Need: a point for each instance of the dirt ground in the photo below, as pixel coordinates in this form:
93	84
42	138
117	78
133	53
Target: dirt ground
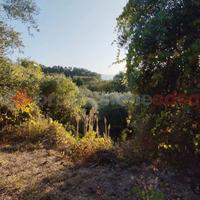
47	175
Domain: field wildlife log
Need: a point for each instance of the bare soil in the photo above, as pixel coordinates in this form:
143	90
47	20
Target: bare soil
47	175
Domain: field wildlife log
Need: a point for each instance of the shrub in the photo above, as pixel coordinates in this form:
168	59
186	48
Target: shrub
177	136
148	189
61	100
26	76
171	134
46	133
90	144
19	86
43	132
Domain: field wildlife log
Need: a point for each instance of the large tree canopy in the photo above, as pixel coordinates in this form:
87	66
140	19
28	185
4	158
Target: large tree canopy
162	38
163	42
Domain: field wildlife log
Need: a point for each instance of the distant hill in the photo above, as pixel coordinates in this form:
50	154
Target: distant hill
75	72
70	71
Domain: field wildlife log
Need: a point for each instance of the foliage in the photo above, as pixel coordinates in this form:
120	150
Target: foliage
40	132
92	99
70	71
90	144
90	94
8	39
163	44
21	10
79	75
110	106
60	99
150	195
19	86
176	134
162	39
32	76
101	86
21	100
148	189
91	80
114	107
14	77
90	103
119	83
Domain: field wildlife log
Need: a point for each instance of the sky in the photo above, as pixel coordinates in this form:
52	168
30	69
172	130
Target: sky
77	33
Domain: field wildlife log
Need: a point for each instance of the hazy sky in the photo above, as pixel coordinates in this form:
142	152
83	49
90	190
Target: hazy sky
75	33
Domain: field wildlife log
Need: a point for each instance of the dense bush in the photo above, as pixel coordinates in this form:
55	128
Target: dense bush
19	85
90	144
111	109
162	41
176	134
42	132
60	99
23	76
46	133
171	134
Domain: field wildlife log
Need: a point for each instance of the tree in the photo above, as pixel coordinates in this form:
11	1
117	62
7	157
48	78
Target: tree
26	75
19	90
163	46
21	10
60	99
119	83
163	43
72	72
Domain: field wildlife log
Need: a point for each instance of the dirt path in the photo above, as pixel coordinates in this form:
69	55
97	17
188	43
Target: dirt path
45	174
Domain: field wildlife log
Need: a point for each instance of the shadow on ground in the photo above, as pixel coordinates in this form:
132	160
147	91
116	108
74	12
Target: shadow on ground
47	175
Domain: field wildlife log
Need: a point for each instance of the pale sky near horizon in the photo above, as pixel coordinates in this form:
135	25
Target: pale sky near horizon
75	33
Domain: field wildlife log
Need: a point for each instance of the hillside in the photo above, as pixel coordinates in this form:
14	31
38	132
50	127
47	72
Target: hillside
68	133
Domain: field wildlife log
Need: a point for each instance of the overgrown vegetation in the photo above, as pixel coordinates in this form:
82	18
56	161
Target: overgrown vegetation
77	113
162	38
39	110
